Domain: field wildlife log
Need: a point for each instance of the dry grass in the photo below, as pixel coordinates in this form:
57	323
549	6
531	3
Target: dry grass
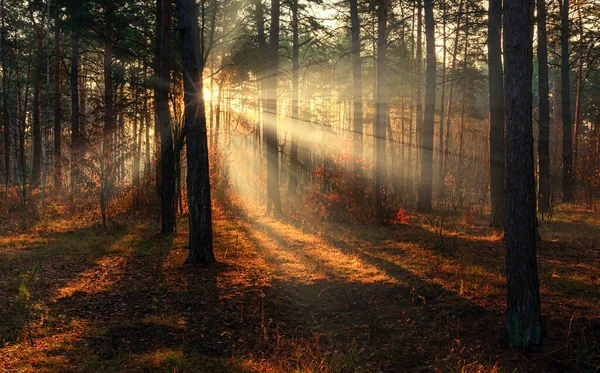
290	295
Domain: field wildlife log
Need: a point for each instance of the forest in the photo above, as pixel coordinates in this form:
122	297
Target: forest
300	186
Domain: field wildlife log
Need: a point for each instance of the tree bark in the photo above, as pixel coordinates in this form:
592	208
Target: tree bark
496	88
544	110
523	299
109	110
381	113
295	87
419	88
578	97
273	198
5	116
441	179
198	177
425	188
167	200
36	171
357	118
567	141
57	103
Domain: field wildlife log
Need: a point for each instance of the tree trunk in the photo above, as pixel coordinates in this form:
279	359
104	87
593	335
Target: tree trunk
274	201
357	117
109	110
461	130
440	173
523	298
544	110
578	96
167	200
425	188
451	91
57	103
496	87
419	78
295	87
567	141
198	177
5	116
36	171
381	111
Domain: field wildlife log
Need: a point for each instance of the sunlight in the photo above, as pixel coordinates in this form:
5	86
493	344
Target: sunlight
105	274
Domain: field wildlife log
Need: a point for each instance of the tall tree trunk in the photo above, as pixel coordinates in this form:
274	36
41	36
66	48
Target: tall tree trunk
148	152
440	173
198	177
419	78
357	118
167	200
523	298
262	75
461	131
36	171
274	201
578	96
567	141
57	103
135	173
295	87
544	110
109	110
5	115
496	88
407	176
425	188
381	113
451	91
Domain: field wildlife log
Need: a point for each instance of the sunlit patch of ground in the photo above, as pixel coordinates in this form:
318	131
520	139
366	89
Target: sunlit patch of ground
106	273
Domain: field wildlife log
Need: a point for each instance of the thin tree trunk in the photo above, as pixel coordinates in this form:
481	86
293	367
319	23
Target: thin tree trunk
295	88
274	201
451	91
36	171
567	141
578	96
496	88
109	113
440	173
357	117
419	78
5	114
425	187
461	133
544	110
381	112
167	200
57	103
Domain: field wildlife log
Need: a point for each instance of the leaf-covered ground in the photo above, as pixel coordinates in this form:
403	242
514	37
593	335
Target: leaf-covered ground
290	295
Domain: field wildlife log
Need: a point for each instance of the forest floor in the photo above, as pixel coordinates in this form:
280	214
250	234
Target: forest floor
290	295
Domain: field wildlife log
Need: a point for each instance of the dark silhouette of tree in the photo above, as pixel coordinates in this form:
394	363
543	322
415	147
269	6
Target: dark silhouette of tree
381	113
357	116
567	141
273	197
425	187
523	298
193	57
163	115
544	110
496	86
